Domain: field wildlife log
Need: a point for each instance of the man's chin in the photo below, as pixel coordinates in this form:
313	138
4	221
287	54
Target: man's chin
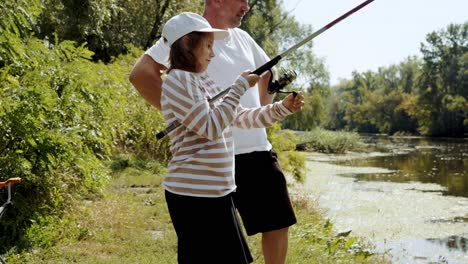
234	25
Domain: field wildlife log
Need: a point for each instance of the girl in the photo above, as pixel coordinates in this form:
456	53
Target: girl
200	178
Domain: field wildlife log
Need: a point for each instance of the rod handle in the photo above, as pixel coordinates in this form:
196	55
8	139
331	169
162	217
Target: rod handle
265	67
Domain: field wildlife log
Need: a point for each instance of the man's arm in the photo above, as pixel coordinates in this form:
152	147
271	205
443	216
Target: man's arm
146	78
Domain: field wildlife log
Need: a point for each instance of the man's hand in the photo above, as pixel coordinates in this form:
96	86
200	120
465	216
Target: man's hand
294	102
252	79
265	97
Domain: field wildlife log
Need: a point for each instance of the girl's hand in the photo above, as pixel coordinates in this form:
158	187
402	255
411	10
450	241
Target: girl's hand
251	78
294	103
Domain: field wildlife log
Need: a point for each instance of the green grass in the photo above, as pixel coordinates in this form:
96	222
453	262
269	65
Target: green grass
130	224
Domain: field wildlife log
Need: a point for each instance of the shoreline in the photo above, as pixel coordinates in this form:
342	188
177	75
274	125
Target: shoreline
399	218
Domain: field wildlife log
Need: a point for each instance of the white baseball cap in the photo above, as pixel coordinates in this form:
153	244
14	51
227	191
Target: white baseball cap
186	22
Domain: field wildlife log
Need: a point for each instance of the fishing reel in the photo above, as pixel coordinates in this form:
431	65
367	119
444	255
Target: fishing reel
276	86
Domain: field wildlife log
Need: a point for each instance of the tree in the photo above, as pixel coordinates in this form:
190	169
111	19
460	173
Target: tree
18	20
443	92
108	26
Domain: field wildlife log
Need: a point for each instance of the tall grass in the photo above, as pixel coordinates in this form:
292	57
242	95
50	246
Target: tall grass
331	142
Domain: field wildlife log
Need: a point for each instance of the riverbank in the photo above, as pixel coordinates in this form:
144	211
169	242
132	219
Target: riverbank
129	223
412	222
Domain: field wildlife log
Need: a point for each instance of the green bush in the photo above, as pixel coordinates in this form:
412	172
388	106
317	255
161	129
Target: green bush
284	144
61	116
59	120
52	133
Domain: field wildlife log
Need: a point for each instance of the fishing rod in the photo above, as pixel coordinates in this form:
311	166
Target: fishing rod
267	66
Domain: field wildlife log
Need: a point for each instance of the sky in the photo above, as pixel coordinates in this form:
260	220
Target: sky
383	33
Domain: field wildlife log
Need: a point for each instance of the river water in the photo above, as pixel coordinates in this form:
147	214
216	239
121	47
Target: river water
411	202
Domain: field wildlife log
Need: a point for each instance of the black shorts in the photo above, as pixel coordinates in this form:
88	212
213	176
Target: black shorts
208	230
261	196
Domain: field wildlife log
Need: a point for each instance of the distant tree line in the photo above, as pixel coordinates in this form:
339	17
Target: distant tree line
425	96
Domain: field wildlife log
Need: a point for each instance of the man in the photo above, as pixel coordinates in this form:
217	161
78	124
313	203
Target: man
261	197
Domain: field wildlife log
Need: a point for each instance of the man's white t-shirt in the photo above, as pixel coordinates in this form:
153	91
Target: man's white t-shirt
234	54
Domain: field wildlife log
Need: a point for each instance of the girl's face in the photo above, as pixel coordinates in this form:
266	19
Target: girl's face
205	52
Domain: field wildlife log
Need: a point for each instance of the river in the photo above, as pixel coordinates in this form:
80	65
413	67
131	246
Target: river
411	202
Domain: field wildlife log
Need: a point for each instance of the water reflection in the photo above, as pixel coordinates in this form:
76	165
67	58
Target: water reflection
452	243
456	219
441	161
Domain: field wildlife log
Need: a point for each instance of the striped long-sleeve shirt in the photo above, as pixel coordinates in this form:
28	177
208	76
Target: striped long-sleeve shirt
202	147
